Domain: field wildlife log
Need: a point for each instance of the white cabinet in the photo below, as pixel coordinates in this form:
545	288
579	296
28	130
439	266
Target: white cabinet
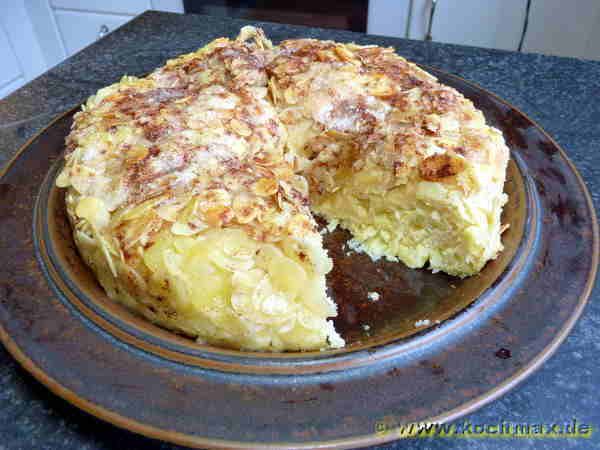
38	34
10	64
388	17
67	26
564	28
131	7
556	27
21	56
79	29
481	23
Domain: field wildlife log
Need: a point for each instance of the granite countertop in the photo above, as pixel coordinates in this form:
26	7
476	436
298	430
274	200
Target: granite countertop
559	93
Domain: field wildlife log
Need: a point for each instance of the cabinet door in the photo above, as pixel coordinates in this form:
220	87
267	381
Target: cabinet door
388	17
111	6
11	75
481	23
22	57
131	7
37	34
560	28
80	29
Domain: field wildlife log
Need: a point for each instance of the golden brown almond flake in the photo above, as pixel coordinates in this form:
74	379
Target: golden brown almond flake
439	167
265	187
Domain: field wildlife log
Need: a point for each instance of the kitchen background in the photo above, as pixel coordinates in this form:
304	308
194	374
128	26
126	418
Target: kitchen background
38	34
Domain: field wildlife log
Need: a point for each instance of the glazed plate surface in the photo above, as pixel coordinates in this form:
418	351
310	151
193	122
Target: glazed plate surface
432	348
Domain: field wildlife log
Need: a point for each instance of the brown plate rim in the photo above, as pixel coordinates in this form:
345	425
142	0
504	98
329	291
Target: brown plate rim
363	440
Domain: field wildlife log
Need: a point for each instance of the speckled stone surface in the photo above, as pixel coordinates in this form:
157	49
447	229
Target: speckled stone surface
561	94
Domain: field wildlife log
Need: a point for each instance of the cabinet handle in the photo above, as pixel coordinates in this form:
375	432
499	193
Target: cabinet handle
428	36
525	26
103	31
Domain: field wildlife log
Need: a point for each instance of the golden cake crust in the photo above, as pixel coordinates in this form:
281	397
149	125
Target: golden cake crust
388	109
190	190
200	127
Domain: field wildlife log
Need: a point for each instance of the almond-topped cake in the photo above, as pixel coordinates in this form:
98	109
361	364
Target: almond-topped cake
407	164
185	206
190	190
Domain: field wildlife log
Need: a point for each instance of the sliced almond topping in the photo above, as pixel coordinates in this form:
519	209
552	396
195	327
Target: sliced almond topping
290	96
265	187
275	93
243	210
240	127
137	153
218	216
344	54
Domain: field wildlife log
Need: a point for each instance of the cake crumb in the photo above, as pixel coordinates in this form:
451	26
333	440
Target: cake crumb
422	323
374	296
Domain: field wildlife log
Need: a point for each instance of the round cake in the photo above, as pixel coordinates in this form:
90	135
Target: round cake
191	191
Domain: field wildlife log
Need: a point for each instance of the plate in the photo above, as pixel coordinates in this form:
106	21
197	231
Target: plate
433	348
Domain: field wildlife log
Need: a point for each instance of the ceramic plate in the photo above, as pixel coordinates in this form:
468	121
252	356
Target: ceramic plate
432	348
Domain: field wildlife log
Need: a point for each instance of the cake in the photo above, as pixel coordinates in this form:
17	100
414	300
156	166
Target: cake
191	191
